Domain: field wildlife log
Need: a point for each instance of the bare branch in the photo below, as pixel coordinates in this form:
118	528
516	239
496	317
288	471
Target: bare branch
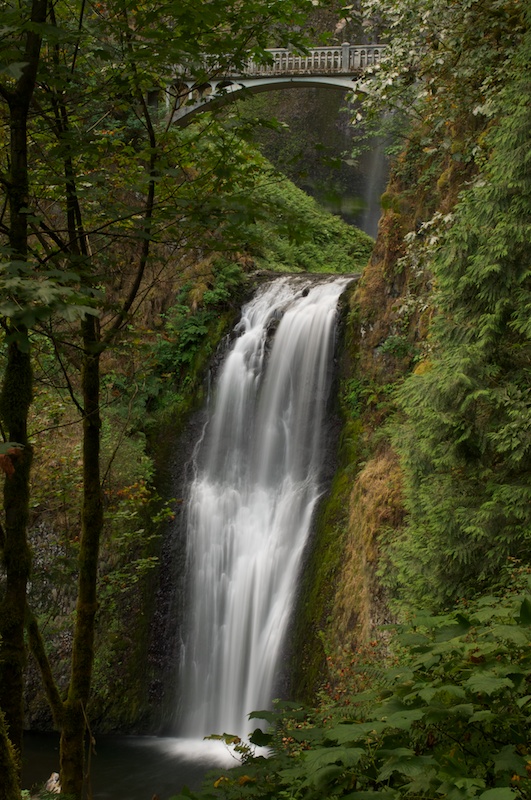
69	386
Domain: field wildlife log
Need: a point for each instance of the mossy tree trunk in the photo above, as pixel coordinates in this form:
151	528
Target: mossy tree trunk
74	724
9	783
15	401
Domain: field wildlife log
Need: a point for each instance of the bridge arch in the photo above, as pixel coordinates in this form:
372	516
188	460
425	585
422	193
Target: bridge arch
216	94
339	67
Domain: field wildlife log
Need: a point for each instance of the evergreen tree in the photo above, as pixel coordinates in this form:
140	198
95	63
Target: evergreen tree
466	445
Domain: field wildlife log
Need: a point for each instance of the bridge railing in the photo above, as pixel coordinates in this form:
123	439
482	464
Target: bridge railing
339	60
323	60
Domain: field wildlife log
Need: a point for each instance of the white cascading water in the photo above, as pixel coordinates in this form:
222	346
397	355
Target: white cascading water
251	502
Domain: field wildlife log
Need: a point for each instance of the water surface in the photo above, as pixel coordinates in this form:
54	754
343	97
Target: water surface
130	767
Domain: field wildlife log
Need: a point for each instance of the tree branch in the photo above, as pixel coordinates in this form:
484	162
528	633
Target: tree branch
147	225
39	653
69	386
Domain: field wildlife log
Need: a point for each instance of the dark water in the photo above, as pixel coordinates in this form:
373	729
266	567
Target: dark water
127	767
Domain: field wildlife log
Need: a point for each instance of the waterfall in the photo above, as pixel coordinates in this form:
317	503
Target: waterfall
376	169
250	503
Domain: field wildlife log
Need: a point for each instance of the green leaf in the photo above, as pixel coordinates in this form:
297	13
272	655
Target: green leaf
260	739
405	762
405	719
345	733
323	777
483	715
511	633
500	793
487	683
268	716
324	756
508	760
446	690
450	632
413	639
523	701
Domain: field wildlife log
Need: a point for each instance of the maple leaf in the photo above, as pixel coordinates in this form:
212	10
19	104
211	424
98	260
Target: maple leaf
6	461
6	465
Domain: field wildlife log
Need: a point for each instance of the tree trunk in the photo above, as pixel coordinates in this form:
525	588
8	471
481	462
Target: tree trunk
15	401
74	726
9	784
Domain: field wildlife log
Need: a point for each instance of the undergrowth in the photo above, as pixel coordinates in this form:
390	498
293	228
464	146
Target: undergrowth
298	235
444	714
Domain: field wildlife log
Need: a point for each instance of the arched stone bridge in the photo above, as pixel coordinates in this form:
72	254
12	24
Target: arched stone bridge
339	66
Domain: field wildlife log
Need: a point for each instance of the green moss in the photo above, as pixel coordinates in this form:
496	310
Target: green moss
9	785
316	597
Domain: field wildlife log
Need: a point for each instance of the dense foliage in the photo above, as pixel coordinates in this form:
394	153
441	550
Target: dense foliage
446	716
305	237
110	195
468	445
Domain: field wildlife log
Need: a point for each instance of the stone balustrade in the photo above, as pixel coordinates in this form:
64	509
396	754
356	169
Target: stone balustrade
344	59
340	60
